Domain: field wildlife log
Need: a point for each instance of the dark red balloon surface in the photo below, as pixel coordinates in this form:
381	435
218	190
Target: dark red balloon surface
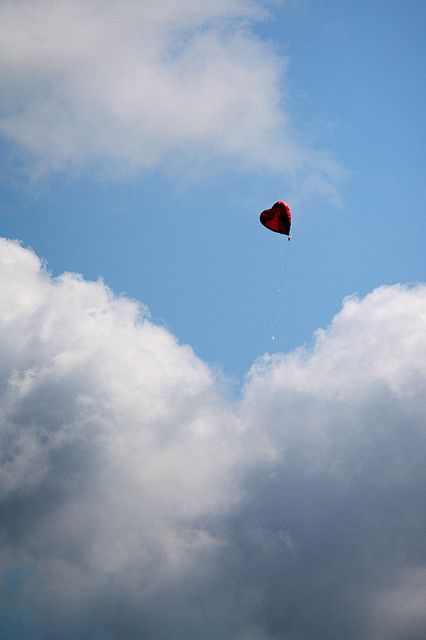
277	218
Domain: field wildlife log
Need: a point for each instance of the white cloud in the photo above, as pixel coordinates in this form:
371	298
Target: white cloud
111	430
144	505
134	84
372	353
401	608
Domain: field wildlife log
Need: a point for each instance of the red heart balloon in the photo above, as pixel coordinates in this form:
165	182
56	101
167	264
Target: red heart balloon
277	218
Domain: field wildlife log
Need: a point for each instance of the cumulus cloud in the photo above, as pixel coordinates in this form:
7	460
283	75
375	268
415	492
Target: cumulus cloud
135	84
136	502
349	421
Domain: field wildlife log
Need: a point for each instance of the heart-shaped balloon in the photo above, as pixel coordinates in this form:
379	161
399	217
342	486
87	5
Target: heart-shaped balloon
277	218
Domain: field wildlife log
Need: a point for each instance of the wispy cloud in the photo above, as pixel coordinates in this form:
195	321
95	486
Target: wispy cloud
136	84
143	504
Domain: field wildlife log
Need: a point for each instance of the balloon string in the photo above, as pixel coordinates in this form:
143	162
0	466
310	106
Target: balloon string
275	310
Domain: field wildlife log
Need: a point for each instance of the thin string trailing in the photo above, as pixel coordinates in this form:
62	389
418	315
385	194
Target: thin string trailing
280	288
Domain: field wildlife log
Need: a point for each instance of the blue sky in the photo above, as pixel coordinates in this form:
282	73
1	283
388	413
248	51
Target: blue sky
353	87
138	147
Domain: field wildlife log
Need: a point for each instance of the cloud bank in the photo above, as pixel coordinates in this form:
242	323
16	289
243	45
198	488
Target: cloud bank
137	84
137	502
